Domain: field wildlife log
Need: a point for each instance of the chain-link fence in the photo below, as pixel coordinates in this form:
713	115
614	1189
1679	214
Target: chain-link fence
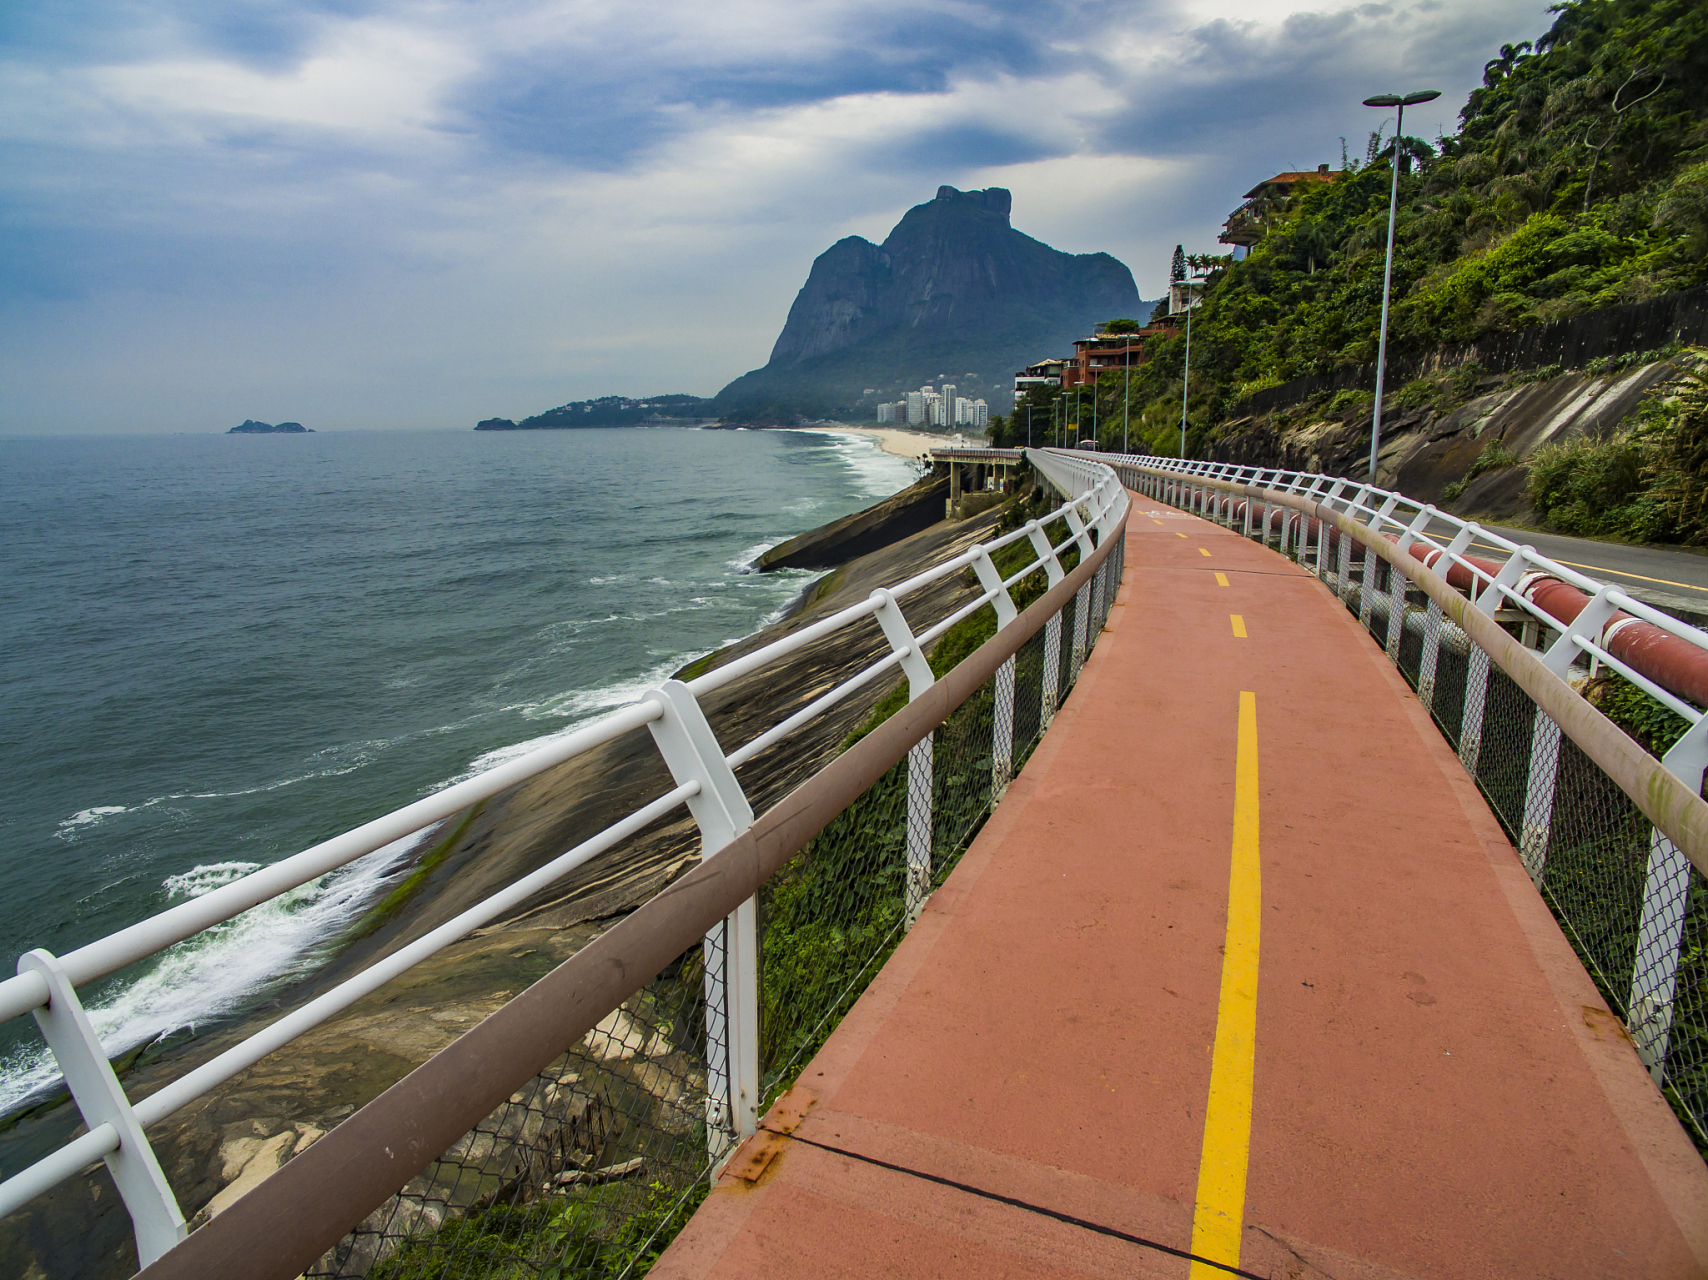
592	1166
1633	906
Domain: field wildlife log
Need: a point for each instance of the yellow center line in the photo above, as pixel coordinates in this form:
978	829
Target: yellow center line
1239	625
1219	1215
1180	535
1203	551
1601	568
1221	578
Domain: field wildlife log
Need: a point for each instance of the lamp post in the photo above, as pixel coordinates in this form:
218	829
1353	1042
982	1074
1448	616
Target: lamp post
1186	373
1399	104
1126	387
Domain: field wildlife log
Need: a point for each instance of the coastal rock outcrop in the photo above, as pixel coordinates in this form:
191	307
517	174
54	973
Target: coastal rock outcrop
954	292
917	507
250	427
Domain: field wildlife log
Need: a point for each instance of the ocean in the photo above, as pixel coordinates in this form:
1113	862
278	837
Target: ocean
218	650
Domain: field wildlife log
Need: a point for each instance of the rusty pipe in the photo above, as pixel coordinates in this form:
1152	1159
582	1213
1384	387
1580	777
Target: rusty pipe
1671	662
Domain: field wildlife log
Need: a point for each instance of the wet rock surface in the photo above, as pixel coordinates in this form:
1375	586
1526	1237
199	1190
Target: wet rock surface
1425	451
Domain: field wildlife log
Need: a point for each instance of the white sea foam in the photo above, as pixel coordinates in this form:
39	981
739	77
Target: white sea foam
91	817
879	473
220	969
743	563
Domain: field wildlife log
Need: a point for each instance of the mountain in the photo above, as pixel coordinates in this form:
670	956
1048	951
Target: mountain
954	293
610	411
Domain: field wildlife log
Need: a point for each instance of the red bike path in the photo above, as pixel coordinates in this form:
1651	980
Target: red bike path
1436	1089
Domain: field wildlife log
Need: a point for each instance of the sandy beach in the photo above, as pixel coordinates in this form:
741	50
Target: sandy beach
904	444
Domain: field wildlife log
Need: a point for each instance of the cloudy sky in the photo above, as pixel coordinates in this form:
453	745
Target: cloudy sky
397	213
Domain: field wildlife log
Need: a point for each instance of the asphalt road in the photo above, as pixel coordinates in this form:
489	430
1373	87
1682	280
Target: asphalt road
1668	578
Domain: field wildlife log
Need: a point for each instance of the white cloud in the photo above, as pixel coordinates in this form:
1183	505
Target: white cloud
448	211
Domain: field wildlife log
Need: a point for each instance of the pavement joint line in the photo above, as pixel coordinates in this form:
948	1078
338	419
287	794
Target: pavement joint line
1218	1220
1216	1268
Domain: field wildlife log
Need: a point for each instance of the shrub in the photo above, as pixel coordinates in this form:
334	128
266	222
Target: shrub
1351	398
1594	488
1494	457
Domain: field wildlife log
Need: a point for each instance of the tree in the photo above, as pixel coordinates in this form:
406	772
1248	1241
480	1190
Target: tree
1121	326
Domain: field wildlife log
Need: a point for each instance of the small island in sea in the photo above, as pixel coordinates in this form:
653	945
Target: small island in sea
251	427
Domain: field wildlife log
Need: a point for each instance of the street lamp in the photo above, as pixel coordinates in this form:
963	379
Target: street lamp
1186	373
1400	104
1126	387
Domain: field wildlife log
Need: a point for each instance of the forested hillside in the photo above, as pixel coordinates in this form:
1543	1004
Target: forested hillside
1578	180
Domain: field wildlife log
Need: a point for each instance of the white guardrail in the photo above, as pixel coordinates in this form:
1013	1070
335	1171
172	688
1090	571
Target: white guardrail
1410	522
46	985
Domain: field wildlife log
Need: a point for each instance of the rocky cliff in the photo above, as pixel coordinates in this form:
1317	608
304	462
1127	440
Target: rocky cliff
954	293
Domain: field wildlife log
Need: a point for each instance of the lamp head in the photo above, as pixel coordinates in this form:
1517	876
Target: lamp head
1410	100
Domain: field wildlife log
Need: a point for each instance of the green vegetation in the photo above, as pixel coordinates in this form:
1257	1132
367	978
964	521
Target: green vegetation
1494	457
1648	483
599	1233
1578	180
1652	724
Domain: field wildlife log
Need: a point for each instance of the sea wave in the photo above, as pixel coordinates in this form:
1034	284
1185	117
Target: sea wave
222	969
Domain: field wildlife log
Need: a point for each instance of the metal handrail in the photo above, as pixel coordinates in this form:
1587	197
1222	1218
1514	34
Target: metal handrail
45	985
1667	791
1513	584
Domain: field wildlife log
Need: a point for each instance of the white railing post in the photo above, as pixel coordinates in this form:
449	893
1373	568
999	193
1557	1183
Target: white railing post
731	948
1431	655
1471	723
1002	713
1367	587
1081	635
1660	932
919	759
1539	785
1054	573
1396	612
154	1212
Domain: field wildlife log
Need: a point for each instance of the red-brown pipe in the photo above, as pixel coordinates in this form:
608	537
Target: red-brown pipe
1673	663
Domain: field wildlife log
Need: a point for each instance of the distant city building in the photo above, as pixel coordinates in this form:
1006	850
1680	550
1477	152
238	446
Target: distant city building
915	408
948	394
978	415
887	412
1046	373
